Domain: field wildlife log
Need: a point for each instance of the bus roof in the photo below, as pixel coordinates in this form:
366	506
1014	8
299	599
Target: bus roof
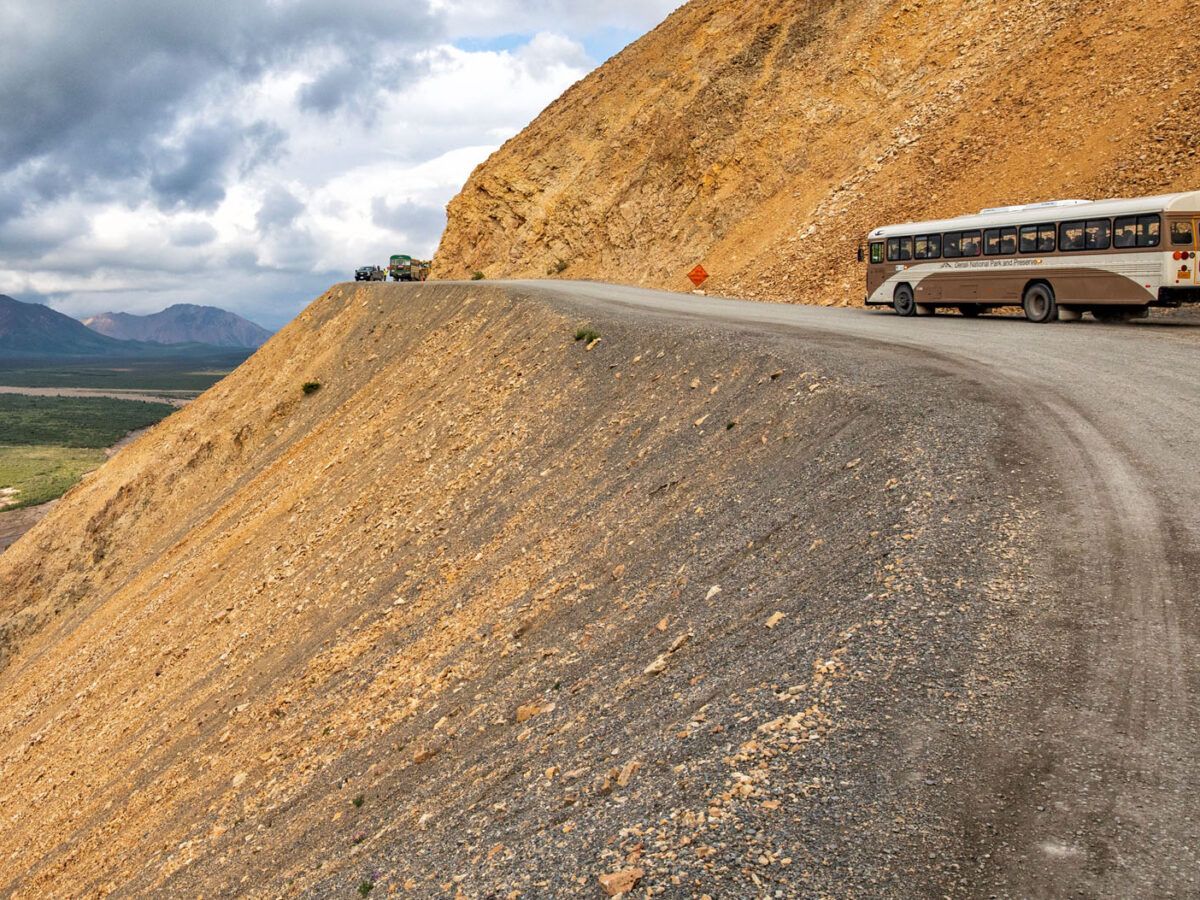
1055	211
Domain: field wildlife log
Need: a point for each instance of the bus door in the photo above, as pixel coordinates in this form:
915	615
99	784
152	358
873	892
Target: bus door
1196	257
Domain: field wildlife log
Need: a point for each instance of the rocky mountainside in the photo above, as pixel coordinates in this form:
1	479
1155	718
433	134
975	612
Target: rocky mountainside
764	139
32	329
513	601
183	323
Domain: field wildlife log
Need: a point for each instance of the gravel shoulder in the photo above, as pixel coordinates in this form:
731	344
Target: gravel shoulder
737	600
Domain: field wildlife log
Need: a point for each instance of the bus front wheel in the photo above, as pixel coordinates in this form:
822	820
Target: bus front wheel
904	302
1039	304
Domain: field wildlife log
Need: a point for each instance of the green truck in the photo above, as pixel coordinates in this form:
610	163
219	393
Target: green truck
404	268
400	268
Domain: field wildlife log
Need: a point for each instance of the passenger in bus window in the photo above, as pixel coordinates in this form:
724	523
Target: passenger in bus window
1149	231
1181	234
1071	236
1099	234
1046	239
971	241
1125	233
1008	241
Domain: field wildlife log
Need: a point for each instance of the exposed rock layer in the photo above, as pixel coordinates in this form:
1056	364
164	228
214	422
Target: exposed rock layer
764	139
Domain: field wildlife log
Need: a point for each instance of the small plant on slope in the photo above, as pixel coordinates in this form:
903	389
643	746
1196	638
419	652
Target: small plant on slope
311	387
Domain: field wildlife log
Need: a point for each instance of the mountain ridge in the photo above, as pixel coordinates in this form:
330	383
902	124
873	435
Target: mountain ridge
182	323
34	329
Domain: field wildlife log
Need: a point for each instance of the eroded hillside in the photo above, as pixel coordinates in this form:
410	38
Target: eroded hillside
497	612
764	139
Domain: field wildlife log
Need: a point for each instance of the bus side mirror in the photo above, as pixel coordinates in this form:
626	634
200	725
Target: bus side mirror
862	256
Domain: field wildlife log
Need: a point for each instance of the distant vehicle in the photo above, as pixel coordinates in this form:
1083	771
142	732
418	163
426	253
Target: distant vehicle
400	268
1112	258
421	269
370	273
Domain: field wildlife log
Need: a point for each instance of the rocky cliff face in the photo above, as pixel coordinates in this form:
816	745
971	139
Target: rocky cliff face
764	139
183	323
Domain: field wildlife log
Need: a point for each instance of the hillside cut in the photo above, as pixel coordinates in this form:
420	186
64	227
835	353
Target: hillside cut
764	139
464	591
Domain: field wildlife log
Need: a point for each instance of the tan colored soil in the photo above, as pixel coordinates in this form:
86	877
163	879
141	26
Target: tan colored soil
765	139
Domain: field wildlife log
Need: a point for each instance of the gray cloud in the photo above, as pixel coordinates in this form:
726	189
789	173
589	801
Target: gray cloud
415	221
140	138
279	209
193	234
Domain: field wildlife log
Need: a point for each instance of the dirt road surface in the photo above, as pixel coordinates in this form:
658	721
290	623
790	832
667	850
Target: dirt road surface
738	599
1095	790
170	397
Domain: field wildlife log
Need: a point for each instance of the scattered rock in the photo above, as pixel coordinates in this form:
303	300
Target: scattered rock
618	883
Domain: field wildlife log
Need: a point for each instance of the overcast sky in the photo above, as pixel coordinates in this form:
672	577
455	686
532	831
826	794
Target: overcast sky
249	153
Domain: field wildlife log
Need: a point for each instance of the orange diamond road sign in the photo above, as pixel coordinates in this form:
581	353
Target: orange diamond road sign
698	276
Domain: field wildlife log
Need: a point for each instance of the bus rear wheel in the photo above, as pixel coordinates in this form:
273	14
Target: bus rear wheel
1039	304
904	302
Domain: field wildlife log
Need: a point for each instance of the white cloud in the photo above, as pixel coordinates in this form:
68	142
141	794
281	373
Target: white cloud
261	166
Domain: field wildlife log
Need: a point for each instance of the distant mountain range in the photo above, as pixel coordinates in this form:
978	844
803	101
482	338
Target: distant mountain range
183	323
31	329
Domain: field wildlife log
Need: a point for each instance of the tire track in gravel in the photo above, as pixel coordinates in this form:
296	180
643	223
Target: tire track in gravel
1087	786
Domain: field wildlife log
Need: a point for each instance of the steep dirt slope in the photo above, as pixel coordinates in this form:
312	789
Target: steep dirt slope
764	139
496	611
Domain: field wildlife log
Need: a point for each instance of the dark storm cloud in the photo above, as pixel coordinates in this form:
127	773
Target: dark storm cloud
415	221
87	90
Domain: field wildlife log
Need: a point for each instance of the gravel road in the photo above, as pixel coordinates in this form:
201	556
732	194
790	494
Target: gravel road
1093	789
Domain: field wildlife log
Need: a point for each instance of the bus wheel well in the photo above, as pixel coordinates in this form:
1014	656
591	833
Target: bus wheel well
1045	282
902	285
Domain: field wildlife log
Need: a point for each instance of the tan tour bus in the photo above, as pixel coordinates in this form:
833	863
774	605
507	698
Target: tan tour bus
1113	258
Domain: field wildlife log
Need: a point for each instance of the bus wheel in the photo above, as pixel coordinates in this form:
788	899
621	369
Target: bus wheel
904	303
971	310
1039	304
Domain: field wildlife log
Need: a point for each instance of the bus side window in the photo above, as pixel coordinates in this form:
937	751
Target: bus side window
877	252
921	247
1029	239
906	249
1125	233
991	242
1149	231
952	245
1008	241
971	241
935	246
1046	242
1181	234
1070	236
1099	234
893	249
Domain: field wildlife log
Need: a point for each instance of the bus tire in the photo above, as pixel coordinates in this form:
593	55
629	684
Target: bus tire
1039	303
904	302
971	310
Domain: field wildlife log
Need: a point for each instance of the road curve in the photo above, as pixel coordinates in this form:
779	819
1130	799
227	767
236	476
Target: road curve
1100	783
